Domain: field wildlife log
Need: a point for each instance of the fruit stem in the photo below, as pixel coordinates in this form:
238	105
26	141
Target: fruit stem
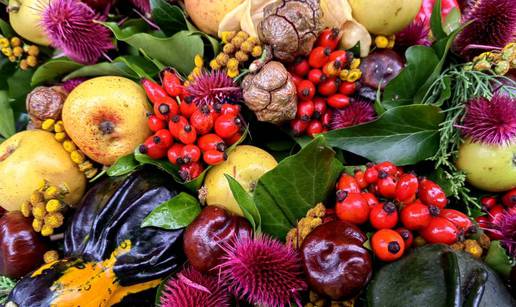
13	6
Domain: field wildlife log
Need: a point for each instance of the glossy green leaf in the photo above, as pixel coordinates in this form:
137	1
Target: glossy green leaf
6	29
161	164
436	23
245	201
123	165
175	213
53	70
452	22
7	69
7	127
284	194
170	18
404	135
19	86
498	259
177	51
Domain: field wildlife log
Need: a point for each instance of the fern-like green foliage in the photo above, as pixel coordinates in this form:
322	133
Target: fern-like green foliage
6	285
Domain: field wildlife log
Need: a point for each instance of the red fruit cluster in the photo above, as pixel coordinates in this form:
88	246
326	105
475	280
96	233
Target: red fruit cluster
190	136
397	204
319	87
494	208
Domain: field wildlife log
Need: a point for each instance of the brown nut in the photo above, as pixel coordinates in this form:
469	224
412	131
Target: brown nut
44	102
271	93
290	27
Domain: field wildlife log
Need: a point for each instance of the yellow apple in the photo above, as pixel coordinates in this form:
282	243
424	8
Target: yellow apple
25	18
106	117
385	17
490	168
246	164
29	157
207	14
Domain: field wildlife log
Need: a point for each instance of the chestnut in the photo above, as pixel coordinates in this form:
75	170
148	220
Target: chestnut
21	248
335	262
380	67
205	237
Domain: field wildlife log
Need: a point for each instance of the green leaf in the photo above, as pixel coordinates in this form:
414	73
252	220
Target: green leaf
421	61
404	135
284	194
19	86
6	29
245	201
53	69
103	69
7	69
175	213
6	285
123	165
7	127
170	18
161	164
177	51
452	22
498	259
436	24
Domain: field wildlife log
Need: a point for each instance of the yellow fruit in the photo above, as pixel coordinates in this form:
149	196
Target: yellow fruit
207	14
106	117
246	164
25	18
385	17
490	168
26	159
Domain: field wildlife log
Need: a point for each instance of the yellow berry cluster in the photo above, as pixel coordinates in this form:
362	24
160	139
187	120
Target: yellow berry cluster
500	62
315	300
305	226
50	256
77	156
384	42
238	48
199	64
15	50
353	73
475	248
46	205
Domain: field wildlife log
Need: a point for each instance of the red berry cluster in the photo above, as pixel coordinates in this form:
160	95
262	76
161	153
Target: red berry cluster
318	83
190	136
494	209
396	204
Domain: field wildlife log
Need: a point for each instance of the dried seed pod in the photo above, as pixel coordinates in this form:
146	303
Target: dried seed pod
43	103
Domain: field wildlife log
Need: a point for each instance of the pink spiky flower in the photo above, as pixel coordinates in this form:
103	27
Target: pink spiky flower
358	112
262	270
142	5
504	227
491	122
416	33
213	87
191	288
70	25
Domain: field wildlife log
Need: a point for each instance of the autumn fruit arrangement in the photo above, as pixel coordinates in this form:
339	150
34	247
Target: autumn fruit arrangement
258	153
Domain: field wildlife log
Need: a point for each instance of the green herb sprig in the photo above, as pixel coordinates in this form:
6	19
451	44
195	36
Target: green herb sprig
6	285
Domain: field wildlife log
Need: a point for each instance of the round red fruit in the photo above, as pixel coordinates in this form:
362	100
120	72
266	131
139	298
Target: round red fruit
297	80
234	139
407	236
154	91
301	67
187	107
214	157
166	108
316	76
415	216
338	101
319	107
211	141
347	88
191	153
386	185
190	171
153	150
388	167
440	230
360	177
305	110
172	83
227	125
329	37
371	174
318	56
459	219
352	208
387	245
328	87
327	118
164	138
306	90
509	199
384	216
202	120
298	126
432	194
155	123
407	187
370	198
348	184
176	124
174	154
187	135
314	127
495	211
229	108
488	202
339	56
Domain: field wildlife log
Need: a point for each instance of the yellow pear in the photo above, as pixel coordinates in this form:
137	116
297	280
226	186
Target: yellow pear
29	157
25	18
207	14
246	164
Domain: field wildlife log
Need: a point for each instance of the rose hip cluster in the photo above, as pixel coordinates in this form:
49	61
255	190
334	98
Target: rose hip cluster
323	83
185	133
495	208
397	204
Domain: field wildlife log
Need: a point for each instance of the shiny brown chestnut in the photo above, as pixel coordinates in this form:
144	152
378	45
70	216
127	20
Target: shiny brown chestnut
205	236
380	67
21	249
335	262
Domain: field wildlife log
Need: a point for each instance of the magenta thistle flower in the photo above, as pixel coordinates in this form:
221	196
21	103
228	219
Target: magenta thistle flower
191	288
69	85
262	270
142	5
71	27
214	87
491	122
358	112
416	33
504	226
493	26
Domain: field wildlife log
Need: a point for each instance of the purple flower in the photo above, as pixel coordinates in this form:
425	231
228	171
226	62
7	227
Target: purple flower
358	112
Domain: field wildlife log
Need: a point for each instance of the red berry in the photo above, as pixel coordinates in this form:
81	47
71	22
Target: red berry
352	208
211	141
164	138
202	120
153	150
384	216
328	87
231	109
327	118
387	245
488	202
297	80
360	177
370	198
318	57
316	76
227	126
338	101
234	139
406	188
371	174
407	236
347	88
190	171
314	127
329	37
306	90
348	184
301	67
432	194
388	167
340	56
171	83
320	107
440	230
155	123
154	91
298	126
214	157
174	154
191	153
305	110
495	211
216	111
332	69
415	216
166	108
509	199
187	135
187	107
483	221
386	185
176	124
459	219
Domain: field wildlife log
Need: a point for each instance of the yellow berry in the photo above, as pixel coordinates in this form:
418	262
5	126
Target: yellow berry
43	185
59	126
214	65
36	197
26	208
38	210
37	224
54	205
232	73
77	156
247	47
90	173
391	44
60	137
54	220
48	124
84	166
257	51
47	231
197	71
227	36
198	61
343	75
228	48
355	63
243	35
232	64
253	40
237	41
241	56
7	51
12	59
69	146
32	61
4	42
222	59
24	65
381	41
16	41
18	51
354	75
33	50
50	256
52	192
